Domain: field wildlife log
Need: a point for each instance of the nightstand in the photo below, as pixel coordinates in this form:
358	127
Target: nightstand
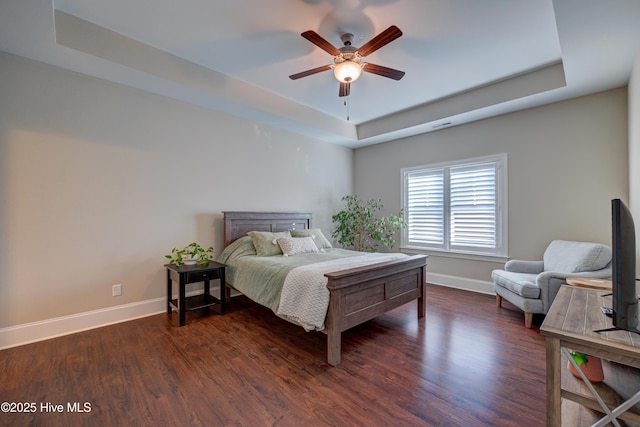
185	274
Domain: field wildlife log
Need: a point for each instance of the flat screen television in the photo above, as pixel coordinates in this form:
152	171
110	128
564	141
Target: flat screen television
623	263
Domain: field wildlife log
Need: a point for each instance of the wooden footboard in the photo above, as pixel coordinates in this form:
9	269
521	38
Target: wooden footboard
360	294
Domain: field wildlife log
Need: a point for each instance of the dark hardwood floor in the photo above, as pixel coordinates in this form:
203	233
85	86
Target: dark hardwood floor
469	363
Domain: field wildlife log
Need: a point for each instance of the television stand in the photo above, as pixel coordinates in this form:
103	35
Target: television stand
569	324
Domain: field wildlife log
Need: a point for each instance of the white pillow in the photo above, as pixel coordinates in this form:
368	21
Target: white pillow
296	245
319	239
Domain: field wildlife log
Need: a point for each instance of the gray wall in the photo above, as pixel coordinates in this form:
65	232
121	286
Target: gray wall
99	181
565	162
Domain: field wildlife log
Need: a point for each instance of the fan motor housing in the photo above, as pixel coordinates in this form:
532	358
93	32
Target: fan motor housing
347	53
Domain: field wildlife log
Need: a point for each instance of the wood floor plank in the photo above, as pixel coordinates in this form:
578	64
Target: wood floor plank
467	363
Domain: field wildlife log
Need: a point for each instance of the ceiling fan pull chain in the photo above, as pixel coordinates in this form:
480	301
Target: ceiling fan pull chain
346	104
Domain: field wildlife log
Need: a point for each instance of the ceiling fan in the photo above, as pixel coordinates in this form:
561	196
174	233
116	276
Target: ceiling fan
348	59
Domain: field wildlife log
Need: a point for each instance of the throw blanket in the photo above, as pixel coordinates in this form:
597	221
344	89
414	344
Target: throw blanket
305	297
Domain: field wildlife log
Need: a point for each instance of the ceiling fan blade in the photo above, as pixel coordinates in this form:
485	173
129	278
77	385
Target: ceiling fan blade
317	39
383	71
309	72
345	88
385	37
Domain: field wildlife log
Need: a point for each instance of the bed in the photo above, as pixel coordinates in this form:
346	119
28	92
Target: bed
355	295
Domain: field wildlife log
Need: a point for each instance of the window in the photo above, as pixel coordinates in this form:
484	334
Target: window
457	207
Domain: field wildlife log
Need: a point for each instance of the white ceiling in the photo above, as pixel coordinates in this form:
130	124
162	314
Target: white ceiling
464	59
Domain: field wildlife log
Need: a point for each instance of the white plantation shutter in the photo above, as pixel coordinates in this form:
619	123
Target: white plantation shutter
473	206
457	207
425	208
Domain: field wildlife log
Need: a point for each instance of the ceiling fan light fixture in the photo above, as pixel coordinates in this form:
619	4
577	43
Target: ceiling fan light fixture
347	71
347	60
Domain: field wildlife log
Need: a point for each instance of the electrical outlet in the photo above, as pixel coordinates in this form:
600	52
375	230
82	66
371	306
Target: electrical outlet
116	290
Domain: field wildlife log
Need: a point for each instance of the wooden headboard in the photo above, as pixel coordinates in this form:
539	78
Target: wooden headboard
237	224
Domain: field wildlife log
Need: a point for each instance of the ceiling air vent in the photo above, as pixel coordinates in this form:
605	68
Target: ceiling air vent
440	125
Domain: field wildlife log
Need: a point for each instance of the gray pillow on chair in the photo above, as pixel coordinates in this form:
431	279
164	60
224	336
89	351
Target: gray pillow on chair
575	257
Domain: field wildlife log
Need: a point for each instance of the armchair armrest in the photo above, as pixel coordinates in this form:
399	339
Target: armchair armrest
549	282
520	266
604	273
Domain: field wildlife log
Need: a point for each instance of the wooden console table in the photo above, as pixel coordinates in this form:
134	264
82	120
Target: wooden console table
569	324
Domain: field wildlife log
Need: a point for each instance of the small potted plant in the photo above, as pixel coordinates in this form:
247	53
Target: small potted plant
190	255
591	366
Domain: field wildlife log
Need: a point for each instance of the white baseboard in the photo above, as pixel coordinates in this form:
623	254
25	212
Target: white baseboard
45	329
480	286
27	333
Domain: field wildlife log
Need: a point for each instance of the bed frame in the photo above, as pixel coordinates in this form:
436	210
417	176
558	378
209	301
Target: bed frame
356	295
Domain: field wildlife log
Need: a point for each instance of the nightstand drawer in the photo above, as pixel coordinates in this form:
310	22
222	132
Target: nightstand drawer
201	276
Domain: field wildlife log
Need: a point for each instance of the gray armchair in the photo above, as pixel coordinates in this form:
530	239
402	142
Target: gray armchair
533	285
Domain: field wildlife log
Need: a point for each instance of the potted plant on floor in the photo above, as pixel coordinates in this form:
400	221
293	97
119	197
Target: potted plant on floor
191	254
359	226
591	366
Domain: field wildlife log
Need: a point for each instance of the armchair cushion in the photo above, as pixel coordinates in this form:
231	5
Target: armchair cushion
523	284
575	257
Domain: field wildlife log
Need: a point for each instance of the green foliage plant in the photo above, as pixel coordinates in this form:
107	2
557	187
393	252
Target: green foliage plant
360	227
579	357
192	251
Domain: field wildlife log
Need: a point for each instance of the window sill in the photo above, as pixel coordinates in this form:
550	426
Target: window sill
460	255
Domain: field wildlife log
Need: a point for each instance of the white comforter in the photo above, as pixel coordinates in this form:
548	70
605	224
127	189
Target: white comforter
305	297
